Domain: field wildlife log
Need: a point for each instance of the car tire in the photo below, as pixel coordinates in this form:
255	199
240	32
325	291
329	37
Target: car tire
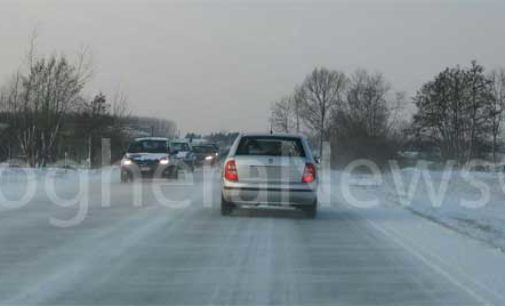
311	210
226	207
125	178
174	173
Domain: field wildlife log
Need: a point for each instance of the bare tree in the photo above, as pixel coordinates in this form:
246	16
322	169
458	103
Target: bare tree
367	104
399	118
39	100
286	113
120	106
297	107
479	101
366	123
497	106
319	94
281	112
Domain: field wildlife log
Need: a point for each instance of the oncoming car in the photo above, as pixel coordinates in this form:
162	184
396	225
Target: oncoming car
271	170
148	157
205	154
182	151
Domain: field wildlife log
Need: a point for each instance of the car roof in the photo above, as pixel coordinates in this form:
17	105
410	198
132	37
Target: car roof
152	138
272	135
179	141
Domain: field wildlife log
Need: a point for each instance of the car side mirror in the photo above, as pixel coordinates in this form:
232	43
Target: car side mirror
174	152
317	160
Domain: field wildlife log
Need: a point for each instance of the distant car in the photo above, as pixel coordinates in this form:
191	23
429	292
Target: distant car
205	154
271	170
148	157
182	151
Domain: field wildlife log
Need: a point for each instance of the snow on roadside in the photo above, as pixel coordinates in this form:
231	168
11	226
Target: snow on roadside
463	245
485	221
16	183
457	209
17	175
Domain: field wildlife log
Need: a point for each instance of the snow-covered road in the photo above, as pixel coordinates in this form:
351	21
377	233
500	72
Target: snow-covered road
128	254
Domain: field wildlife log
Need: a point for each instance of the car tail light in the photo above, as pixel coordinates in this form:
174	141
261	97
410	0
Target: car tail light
230	171
309	173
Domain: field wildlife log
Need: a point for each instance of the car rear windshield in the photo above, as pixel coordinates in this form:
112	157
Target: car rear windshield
270	146
204	149
148	146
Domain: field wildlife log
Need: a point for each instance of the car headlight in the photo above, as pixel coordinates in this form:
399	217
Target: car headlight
126	162
210	157
164	161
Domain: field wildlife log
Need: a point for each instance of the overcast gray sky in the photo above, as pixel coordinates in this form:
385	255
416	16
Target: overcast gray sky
217	65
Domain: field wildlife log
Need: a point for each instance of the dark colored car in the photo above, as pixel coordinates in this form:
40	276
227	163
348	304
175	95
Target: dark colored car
148	157
205	154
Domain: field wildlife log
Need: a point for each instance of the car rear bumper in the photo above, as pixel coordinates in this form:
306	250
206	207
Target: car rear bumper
201	162
148	172
270	196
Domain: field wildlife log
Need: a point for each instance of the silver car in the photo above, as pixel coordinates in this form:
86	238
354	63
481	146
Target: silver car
271	170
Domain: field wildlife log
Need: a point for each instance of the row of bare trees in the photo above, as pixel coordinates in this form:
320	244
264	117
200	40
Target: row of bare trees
358	114
459	115
45	116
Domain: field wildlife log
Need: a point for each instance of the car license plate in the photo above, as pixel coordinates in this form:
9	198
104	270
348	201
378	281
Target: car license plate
145	169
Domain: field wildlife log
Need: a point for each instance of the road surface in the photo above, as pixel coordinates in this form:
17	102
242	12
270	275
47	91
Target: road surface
153	255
